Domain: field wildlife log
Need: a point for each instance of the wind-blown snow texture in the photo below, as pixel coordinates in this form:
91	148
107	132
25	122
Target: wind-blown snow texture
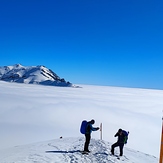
34	113
67	150
31	75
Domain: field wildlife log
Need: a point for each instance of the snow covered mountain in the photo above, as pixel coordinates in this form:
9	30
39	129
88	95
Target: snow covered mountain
31	75
68	150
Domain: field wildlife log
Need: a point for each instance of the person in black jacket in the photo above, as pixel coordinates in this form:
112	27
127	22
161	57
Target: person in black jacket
89	129
120	142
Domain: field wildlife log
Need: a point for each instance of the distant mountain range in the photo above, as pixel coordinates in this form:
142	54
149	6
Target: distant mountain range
31	75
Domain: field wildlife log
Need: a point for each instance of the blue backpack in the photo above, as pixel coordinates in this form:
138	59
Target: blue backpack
83	127
126	136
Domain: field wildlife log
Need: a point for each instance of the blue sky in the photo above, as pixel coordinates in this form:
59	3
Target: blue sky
101	42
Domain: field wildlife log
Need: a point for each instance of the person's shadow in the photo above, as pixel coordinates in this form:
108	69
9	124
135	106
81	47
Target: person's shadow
74	151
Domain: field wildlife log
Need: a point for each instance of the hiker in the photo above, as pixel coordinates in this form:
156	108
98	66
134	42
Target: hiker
89	129
122	139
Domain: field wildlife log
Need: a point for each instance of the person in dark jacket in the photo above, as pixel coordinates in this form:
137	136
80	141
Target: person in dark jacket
89	129
120	142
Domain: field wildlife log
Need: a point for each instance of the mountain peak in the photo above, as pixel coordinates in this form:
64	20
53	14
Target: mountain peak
31	75
69	150
17	65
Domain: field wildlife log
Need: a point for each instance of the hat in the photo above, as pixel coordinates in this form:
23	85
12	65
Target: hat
92	121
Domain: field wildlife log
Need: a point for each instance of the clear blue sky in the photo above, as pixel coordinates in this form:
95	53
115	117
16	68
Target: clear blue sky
101	42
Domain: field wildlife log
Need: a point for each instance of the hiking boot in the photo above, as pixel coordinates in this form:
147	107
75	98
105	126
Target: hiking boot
112	152
88	151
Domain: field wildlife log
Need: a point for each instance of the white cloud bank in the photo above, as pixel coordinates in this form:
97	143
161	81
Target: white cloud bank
32	113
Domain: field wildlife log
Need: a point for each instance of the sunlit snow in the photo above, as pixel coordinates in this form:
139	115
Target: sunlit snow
34	113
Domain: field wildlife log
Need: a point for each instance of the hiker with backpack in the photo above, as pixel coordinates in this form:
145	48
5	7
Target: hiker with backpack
87	128
122	139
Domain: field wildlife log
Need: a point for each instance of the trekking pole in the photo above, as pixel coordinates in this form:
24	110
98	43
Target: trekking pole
101	131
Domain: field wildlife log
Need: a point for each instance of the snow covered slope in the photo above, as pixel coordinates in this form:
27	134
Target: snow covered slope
31	75
67	150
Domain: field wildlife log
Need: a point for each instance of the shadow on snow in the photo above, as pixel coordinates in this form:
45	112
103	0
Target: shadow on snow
63	151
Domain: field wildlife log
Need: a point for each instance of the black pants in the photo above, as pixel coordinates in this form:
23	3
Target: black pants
87	141
120	148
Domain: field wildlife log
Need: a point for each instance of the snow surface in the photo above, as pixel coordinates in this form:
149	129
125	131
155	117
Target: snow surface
68	150
35	113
